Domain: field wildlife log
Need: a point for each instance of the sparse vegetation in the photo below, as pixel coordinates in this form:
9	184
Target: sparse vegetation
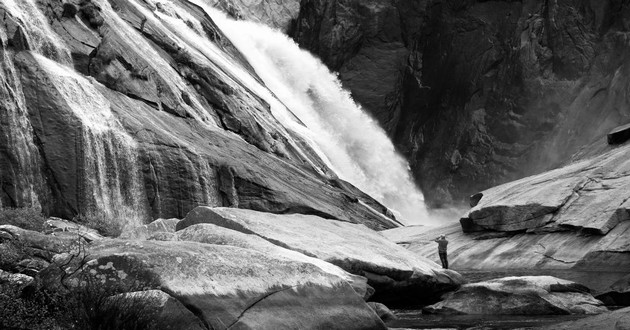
88	303
29	218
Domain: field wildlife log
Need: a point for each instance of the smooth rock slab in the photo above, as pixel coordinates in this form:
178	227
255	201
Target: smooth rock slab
395	273
527	295
592	195
228	286
213	234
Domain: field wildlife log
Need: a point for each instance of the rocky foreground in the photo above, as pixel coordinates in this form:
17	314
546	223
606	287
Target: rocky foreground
221	268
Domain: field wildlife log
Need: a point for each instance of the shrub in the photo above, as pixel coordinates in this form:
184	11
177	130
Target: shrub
29	218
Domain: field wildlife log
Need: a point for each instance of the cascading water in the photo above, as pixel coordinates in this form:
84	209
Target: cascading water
34	26
19	158
296	84
110	182
359	150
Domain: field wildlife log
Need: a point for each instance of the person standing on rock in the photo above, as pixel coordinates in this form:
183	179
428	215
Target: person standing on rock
442	243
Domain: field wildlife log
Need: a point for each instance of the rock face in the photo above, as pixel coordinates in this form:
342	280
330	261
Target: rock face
227	286
536	295
478	93
123	109
396	274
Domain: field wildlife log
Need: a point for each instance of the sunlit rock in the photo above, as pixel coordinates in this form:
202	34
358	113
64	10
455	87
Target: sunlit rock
395	273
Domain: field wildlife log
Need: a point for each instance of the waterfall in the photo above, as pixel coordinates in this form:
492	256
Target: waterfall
357	148
34	25
110	183
19	157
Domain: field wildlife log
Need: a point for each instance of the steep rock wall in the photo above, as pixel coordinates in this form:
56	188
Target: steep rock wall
477	93
111	109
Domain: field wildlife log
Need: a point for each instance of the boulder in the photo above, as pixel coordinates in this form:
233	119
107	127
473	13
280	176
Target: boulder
395	273
213	234
13	284
227	286
528	295
592	195
57	224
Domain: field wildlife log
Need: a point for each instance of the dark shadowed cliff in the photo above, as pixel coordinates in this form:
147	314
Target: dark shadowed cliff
477	93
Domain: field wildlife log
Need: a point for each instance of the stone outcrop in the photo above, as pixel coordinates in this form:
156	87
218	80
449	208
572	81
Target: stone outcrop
396	275
592	195
113	110
227	286
478	93
534	295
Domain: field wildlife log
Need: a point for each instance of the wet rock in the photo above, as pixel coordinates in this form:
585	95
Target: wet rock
395	274
232	286
531	295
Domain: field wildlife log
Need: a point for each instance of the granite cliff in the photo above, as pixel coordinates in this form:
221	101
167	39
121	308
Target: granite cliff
478	93
145	109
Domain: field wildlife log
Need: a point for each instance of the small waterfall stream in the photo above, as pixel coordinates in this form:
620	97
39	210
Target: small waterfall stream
109	175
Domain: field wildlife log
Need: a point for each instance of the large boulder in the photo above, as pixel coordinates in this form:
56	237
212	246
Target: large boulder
395	273
530	295
213	234
591	194
227	286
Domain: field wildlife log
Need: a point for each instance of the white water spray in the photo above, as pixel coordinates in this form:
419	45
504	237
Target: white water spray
359	150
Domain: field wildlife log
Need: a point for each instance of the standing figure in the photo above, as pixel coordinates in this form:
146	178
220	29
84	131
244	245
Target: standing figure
442	243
